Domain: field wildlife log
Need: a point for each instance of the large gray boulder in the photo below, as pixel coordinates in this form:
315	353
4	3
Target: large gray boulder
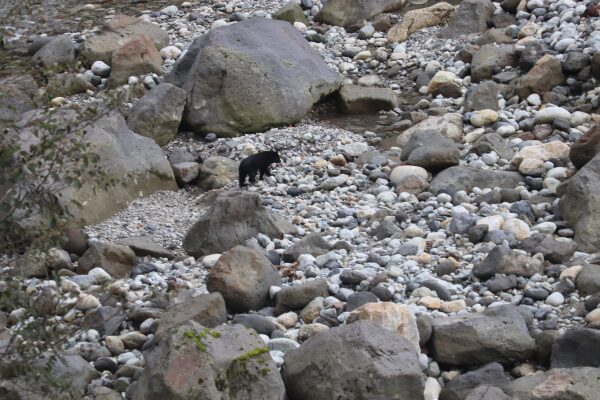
358	361
499	334
588	280
233	218
228	362
312	244
249	76
118	31
135	164
158	114
243	276
466	178
349	12
580	204
216	172
490	374
355	99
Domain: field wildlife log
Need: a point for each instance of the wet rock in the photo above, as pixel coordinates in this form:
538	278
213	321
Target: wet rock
448	125
66	85
318	369
492	142
216	172
259	323
243	276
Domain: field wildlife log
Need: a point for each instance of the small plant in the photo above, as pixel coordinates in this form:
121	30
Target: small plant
198	337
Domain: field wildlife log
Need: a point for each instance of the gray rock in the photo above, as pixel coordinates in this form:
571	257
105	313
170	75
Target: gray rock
348	12
574	62
582	383
118	31
466	178
357	361
144	246
481	97
386	228
291	12
503	260
531	53
216	172
298	296
499	334
239	80
501	283
17	96
579	205
186	171
194	362
472	17
233	218
430	150
586	147
66	85
555	251
312	244
243	276
485	392
115	259
492	142
106	320
206	309
157	115
588	280
490	57
358	299
578	347
459	387
355	99
59	53
259	323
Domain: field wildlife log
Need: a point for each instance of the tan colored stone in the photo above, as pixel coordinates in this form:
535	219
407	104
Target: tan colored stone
136	57
430	302
421	18
571	272
542	152
453	306
394	317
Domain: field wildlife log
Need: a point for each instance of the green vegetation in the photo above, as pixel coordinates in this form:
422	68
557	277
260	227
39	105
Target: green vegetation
198	337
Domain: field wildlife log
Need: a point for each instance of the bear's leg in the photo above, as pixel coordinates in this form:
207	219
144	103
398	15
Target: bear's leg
264	171
252	176
242	180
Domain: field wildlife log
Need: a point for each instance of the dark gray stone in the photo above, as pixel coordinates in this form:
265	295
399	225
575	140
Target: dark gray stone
466	178
383	365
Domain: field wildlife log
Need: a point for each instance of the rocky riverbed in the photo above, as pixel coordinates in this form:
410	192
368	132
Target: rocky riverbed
432	231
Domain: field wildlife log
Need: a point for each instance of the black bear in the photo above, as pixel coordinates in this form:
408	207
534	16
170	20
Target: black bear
257	162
